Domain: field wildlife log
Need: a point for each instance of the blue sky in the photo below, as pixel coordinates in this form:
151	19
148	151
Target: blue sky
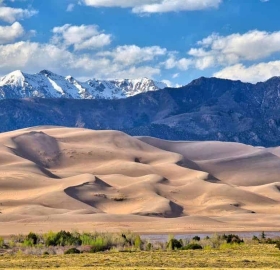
171	40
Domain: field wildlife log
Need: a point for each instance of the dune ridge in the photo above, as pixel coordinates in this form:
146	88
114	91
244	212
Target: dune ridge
57	177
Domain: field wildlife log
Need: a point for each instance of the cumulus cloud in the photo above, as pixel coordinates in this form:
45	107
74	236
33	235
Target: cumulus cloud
176	5
171	84
132	54
232	49
10	33
231	52
181	64
10	15
84	37
254	73
156	6
25	55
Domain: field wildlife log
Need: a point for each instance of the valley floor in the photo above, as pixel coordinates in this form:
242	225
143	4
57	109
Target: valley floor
143	229
143	225
241	257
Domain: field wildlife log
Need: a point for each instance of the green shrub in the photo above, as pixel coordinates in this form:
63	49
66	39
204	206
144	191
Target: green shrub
49	238
32	238
27	243
88	239
174	244
1	242
192	246
226	246
255	238
196	238
72	251
232	239
149	247
11	244
270	241
137	242
278	244
98	248
62	238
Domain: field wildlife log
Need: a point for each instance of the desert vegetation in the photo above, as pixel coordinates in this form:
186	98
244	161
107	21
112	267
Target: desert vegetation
64	242
125	250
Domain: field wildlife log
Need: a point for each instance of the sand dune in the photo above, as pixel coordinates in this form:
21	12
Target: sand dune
56	177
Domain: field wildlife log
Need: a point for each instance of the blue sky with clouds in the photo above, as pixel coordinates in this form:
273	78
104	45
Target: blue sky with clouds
171	40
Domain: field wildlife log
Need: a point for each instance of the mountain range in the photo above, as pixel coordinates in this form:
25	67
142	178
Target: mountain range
206	109
47	84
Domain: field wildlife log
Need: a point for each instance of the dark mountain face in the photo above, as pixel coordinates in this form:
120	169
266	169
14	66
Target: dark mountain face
206	109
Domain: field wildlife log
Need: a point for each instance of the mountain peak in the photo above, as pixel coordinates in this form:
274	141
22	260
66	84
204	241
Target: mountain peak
47	84
274	79
46	72
15	78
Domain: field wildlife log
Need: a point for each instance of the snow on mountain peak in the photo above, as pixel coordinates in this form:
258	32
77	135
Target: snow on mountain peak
47	84
15	79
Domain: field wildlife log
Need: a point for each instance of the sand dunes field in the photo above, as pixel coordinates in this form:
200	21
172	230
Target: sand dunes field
67	178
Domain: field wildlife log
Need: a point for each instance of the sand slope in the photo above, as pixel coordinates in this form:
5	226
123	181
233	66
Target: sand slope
56	177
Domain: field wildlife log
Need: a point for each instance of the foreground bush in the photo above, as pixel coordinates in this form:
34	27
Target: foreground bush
97	248
72	251
1	242
61	238
64	242
192	246
174	244
232	239
196	238
138	242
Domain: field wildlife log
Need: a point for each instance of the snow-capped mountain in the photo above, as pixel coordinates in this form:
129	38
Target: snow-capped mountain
46	84
207	109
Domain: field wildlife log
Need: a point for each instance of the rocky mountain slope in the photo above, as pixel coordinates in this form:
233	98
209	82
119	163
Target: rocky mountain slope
46	84
206	109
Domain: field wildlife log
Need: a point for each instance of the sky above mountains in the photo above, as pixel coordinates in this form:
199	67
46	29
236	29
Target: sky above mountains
169	40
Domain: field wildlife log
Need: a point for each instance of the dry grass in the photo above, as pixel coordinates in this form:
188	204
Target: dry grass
242	257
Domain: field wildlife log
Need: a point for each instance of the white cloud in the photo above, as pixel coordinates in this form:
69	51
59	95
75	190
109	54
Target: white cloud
10	15
10	33
156	6
181	64
176	5
168	83
232	49
119	3
255	73
132	54
84	37
171	84
25	55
